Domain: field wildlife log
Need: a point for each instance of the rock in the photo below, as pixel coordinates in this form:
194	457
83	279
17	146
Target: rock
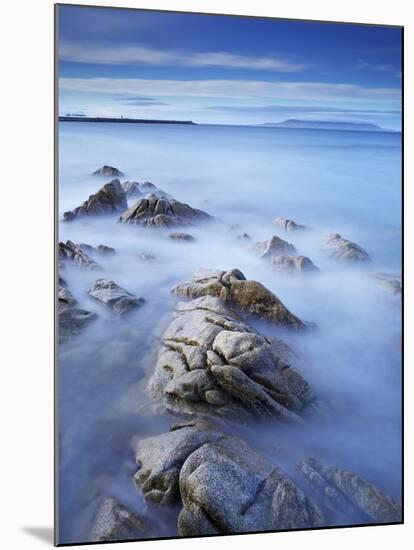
101	249
162	212
160	459
114	296
76	254
244	237
145	257
274	247
388	282
114	522
250	297
289	225
72	318
181	237
108	171
134	189
289	264
344	491
110	199
211	362
226	487
341	249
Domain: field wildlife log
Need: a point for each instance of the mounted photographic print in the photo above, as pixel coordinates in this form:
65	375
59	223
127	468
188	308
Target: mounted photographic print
228	270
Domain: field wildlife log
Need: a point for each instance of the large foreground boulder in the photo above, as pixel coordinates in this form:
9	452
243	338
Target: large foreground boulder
344	491
109	171
292	264
115	297
114	522
76	254
224	485
274	247
72	318
162	212
249	297
341	249
211	362
288	225
110	199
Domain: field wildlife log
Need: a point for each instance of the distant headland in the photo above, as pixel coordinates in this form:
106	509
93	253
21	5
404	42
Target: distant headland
82	118
327	125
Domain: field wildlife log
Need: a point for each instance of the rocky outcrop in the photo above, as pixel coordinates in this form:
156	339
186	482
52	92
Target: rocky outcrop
115	297
224	485
288	225
181	237
345	492
249	297
147	257
76	254
389	282
72	318
274	247
211	362
292	264
341	249
100	250
114	522
243	237
110	199
109	171
162	212
134	189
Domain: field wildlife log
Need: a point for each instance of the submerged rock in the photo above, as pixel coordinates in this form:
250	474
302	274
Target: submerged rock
244	237
289	264
211	362
101	249
389	282
341	249
348	493
112	295
147	257
289	225
250	297
114	522
274	247
110	171
224	485
181	237
72	318
109	199
162	212
75	253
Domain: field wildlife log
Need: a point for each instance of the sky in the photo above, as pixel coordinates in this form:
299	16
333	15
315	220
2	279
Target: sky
226	70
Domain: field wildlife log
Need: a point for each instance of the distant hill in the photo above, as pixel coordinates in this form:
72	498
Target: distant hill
326	125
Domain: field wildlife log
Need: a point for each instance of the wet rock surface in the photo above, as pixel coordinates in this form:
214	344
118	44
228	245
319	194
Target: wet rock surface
115	297
291	264
274	247
75	254
212	363
162	212
73	319
114	522
109	199
289	225
350	494
110	171
341	249
250	297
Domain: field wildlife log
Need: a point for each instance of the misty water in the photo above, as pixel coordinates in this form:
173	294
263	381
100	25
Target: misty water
332	181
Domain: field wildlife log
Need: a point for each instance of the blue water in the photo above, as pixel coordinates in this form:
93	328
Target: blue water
332	181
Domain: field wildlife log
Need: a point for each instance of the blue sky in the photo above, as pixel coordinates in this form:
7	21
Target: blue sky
226	70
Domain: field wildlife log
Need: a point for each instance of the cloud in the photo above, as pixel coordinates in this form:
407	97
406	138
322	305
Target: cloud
377	67
140	101
137	55
231	89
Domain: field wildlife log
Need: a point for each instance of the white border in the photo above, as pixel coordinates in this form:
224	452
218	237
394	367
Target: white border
26	233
